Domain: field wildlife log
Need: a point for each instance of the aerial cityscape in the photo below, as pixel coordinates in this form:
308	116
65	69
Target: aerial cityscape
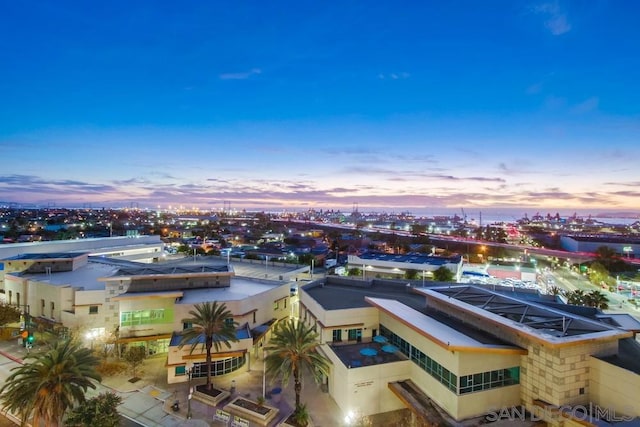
320	214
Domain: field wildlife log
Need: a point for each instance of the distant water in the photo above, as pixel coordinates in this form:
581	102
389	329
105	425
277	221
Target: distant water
492	215
510	215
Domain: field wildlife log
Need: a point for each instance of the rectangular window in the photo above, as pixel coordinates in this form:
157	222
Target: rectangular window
186	325
53	307
18	299
145	317
337	335
180	371
254	317
93	309
229	321
276	305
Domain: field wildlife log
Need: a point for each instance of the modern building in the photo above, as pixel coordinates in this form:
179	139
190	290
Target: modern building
624	246
386	265
146	249
119	303
458	353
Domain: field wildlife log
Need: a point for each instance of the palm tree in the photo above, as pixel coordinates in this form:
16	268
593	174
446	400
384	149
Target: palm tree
50	382
292	349
576	297
211	325
597	299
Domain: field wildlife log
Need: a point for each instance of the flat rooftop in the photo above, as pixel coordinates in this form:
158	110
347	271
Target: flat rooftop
412	258
240	289
160	269
341	294
86	276
351	356
51	255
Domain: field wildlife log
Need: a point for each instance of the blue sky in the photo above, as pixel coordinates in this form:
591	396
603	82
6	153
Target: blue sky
390	105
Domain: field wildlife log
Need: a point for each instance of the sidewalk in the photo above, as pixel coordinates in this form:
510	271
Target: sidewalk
148	401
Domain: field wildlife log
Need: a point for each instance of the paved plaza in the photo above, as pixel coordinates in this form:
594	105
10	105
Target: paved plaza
148	401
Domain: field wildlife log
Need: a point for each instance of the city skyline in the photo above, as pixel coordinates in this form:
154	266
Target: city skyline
508	105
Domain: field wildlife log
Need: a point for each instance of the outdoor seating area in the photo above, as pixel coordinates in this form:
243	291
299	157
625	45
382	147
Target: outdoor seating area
375	352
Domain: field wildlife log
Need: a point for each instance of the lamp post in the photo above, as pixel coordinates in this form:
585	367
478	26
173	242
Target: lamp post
266	263
264	372
91	336
189	373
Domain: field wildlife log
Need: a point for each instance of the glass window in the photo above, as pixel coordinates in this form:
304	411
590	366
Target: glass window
337	335
93	309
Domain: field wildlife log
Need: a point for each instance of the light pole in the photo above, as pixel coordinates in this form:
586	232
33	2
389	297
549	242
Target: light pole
312	264
91	336
189	373
266	263
264	372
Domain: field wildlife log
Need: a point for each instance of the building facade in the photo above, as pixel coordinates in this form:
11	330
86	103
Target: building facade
469	352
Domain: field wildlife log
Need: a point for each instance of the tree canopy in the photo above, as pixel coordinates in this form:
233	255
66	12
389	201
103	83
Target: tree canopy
99	411
292	350
50	383
8	313
212	326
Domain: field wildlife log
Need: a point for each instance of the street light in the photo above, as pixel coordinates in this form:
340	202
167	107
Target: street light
91	336
264	372
189	373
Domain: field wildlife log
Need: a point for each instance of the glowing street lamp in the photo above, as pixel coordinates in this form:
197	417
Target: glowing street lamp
189	370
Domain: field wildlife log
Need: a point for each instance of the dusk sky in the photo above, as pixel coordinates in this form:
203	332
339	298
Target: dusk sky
388	104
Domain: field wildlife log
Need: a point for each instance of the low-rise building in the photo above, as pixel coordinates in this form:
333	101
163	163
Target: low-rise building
460	352
391	265
119	303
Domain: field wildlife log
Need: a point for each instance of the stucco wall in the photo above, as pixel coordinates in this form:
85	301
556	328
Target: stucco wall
612	387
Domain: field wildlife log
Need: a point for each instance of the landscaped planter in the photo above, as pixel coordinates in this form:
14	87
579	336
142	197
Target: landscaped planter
289	423
250	410
209	397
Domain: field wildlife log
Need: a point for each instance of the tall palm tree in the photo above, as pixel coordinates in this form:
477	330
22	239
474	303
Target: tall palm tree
212	325
50	382
292	349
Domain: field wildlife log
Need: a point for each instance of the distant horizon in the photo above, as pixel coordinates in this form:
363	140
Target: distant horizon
472	213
